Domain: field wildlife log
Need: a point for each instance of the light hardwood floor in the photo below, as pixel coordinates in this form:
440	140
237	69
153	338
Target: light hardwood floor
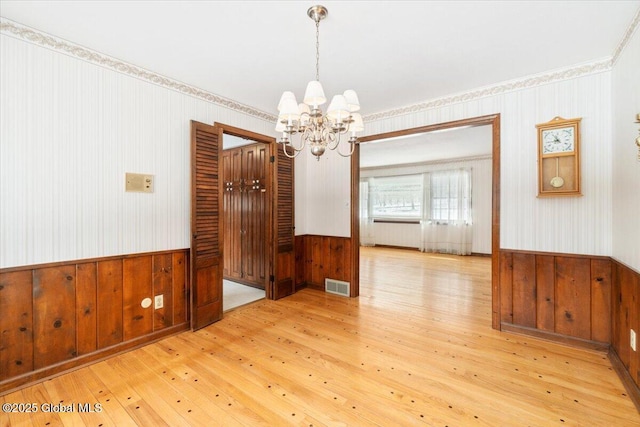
416	348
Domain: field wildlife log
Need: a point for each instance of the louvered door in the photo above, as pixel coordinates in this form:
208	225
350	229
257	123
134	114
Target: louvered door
283	283
206	226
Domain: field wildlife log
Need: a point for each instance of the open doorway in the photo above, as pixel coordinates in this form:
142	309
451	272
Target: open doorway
493	121
428	191
246	194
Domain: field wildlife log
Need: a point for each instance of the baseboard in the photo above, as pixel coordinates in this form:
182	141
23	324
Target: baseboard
33	377
556	338
625	377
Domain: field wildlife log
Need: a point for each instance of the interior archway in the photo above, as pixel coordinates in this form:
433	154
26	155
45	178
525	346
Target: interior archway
492	120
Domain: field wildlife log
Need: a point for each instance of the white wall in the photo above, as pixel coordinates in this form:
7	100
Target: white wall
626	166
323	194
580	225
408	235
69	130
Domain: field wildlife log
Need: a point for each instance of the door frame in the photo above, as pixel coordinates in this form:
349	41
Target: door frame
271	142
494	121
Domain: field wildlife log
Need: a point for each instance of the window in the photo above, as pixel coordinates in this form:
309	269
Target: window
439	196
396	197
450	196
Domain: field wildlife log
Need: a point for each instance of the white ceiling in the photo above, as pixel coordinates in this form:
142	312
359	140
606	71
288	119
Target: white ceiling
393	53
446	144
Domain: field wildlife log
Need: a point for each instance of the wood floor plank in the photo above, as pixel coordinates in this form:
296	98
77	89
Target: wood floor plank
416	348
38	393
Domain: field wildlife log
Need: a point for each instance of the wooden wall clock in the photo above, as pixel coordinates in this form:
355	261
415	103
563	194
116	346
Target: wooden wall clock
559	157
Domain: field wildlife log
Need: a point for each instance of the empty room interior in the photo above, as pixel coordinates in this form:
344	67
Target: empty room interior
357	213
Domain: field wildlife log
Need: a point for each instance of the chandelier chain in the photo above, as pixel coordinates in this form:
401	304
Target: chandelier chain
318	50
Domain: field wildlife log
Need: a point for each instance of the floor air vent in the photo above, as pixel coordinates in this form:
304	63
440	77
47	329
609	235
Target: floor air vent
336	287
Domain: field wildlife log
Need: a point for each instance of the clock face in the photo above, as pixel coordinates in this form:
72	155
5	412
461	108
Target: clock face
560	140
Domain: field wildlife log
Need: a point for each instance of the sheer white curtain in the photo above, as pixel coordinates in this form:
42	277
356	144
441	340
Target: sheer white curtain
447	225
367	237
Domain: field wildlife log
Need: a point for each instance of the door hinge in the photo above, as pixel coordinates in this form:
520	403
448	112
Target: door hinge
272	278
272	159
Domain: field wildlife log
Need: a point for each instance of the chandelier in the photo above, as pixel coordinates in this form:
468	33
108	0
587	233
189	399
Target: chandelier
306	120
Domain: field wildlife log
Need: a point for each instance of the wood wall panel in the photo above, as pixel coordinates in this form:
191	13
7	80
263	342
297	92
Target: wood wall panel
179	294
16	323
633	288
57	316
573	297
506	288
299	260
626	311
54	315
86	309
163	285
568	295
524	289
624	308
616	309
307	261
318	257
321	257
601	300
545	293
625	315
137	285
109	297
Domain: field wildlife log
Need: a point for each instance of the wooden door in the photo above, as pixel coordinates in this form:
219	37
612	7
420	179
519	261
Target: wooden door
232	194
283	280
254	210
206	225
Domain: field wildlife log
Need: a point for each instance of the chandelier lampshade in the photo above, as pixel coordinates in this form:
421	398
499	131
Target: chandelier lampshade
308	123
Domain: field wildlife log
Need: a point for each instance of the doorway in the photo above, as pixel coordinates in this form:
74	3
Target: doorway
206	262
494	122
246	194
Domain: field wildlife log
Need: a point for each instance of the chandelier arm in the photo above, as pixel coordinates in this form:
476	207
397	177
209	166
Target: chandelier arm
333	138
295	152
353	148
300	147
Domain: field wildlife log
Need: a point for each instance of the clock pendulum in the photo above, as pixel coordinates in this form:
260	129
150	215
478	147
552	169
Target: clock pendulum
557	181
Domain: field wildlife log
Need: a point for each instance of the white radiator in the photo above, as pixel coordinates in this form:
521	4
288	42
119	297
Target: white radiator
337	287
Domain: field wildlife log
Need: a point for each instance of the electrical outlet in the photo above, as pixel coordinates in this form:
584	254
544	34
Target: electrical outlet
632	340
159	302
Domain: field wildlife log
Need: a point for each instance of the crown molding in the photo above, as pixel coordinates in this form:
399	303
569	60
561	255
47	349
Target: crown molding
497	89
30	35
627	36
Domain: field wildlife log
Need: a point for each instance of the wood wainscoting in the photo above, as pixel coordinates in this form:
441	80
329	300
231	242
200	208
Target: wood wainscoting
321	257
587	301
626	316
61	315
567	295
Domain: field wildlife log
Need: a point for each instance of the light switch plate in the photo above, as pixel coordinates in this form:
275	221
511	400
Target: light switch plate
136	182
632	339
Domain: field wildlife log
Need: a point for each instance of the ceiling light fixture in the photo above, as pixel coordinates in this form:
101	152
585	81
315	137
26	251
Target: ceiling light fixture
307	120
